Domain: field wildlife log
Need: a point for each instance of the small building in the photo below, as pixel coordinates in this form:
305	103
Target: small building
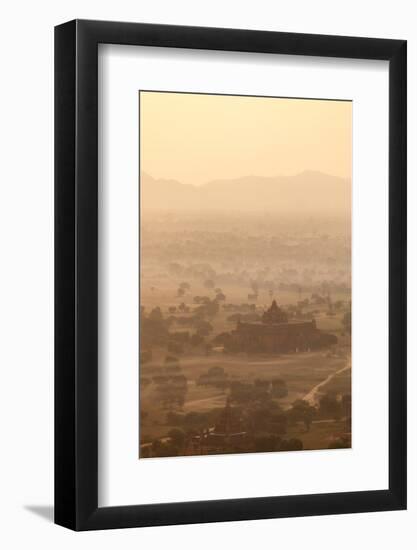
227	435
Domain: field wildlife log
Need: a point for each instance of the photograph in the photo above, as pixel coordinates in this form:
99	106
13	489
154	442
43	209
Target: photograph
245	274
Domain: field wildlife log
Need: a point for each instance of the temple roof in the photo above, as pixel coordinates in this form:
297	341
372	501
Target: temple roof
274	315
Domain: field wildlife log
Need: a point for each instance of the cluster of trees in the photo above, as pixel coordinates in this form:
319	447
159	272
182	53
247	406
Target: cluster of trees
154	328
182	308
264	427
157	330
210	285
201	248
283	279
263	422
330	407
183	288
201	300
334	406
171	385
207	309
264	418
301	411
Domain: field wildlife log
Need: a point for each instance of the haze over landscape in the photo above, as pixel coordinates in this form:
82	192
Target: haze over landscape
245	274
307	192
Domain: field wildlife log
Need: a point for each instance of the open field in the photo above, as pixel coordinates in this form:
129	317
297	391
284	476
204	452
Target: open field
301	371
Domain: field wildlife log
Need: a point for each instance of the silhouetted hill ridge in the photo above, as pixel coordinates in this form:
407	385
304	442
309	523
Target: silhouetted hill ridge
308	191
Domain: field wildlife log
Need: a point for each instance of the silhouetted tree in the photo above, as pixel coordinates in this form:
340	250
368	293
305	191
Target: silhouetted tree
330	406
302	411
209	283
156	314
279	388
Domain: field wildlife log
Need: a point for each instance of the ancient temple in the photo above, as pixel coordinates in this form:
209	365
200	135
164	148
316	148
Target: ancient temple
276	334
226	435
274	315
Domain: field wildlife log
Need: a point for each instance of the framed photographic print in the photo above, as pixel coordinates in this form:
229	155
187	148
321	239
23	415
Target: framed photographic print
230	252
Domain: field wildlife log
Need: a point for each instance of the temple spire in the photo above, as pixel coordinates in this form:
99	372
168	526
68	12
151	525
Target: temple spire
274	315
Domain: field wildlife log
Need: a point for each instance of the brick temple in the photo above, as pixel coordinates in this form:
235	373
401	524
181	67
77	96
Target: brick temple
276	334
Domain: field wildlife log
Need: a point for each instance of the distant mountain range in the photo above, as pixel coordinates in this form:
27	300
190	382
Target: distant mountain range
307	192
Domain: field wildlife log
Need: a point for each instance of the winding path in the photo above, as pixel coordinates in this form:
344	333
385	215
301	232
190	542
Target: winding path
312	396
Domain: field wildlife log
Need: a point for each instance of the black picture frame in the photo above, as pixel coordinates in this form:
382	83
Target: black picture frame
76	274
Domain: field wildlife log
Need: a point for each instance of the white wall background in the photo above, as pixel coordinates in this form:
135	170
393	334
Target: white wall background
26	272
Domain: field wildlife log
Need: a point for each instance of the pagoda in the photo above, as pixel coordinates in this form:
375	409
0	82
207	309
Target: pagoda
274	315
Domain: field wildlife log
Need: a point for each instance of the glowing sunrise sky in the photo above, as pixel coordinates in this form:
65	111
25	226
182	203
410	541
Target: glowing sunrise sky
196	138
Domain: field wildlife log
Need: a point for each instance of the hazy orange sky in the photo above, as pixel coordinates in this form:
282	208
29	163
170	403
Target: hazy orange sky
196	138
